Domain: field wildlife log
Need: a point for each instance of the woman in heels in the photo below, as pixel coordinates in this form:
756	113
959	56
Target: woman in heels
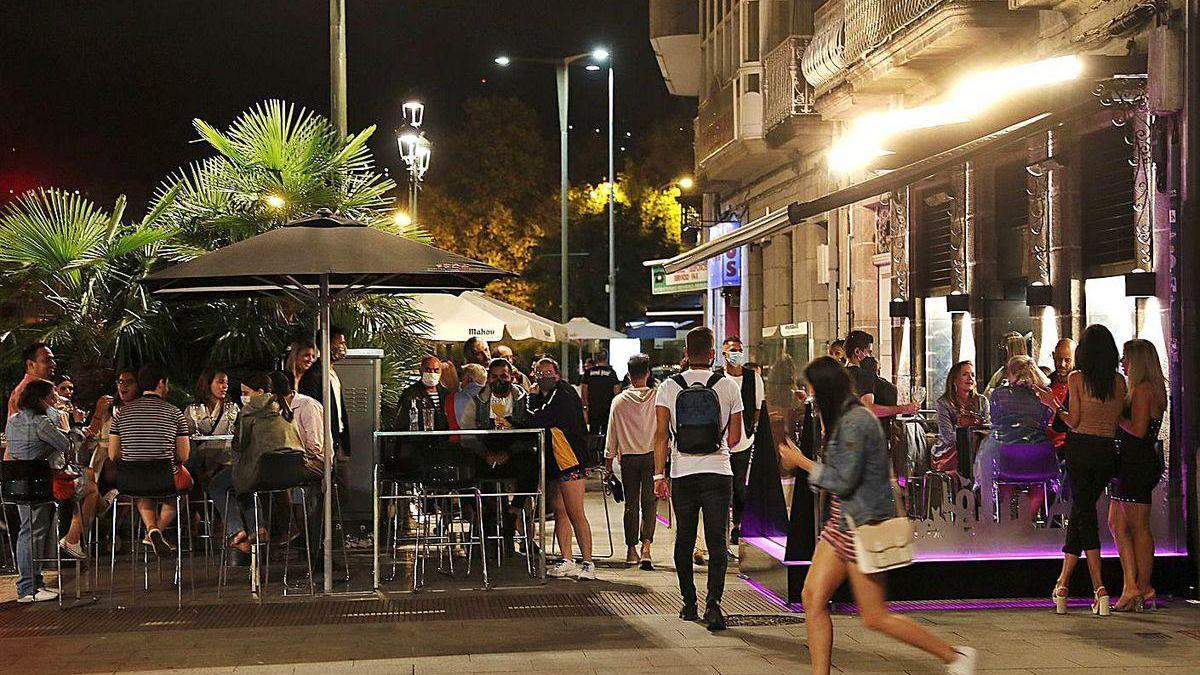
1096	392
1138	472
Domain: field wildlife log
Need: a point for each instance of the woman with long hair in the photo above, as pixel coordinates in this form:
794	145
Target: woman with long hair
300	358
856	476
960	406
1019	425
210	414
1138	471
1096	392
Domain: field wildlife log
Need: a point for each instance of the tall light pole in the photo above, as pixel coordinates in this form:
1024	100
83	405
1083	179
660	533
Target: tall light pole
415	150
612	188
562	82
337	66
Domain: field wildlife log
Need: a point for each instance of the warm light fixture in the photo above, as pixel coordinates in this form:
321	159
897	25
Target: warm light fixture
600	54
414	113
275	201
402	219
502	60
686	183
866	137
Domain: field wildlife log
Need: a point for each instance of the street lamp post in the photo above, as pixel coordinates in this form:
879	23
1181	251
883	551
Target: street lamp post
415	150
562	81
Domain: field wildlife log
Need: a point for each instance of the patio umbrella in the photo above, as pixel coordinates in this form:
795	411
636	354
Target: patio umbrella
580	328
521	324
319	261
452	318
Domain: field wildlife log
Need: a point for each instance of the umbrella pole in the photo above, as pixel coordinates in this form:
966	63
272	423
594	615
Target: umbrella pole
323	309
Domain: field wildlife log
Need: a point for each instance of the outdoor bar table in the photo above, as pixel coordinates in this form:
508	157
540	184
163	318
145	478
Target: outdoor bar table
540	494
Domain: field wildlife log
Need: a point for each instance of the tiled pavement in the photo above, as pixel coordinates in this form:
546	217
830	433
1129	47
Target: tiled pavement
577	628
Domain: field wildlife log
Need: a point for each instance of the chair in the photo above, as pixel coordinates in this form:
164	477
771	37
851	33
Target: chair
149	479
278	472
30	482
1024	465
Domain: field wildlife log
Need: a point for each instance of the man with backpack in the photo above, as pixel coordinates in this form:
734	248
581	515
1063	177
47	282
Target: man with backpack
698	418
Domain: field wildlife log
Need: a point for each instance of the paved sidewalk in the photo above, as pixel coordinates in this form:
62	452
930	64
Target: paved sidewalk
623	623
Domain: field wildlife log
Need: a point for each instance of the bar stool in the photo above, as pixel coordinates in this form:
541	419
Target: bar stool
149	479
30	483
1024	466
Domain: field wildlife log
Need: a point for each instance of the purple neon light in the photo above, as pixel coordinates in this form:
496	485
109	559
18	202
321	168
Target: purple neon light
771	596
662	520
778	551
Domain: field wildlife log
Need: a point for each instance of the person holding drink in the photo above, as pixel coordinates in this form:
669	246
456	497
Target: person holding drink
960	407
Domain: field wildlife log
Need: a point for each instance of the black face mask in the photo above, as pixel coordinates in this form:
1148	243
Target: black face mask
870	365
501	387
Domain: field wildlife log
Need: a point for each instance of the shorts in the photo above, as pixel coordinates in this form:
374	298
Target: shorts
575	473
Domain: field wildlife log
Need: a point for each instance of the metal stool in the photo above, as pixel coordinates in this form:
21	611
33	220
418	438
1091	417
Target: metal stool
30	483
152	479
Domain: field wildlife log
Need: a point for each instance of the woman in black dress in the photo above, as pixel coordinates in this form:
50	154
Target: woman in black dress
1139	469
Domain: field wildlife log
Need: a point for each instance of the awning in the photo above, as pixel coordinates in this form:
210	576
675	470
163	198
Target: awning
800	212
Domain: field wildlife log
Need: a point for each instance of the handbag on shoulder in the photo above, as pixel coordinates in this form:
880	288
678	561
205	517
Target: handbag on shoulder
886	545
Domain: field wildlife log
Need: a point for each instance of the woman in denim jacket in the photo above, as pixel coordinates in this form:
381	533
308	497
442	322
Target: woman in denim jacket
855	474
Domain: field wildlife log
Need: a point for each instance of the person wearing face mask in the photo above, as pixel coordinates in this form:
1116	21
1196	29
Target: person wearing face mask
503	404
556	408
753	389
426	393
505	352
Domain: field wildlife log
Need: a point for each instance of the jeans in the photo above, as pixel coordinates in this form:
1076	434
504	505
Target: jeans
33	541
1091	464
741	467
637	477
711	494
218	487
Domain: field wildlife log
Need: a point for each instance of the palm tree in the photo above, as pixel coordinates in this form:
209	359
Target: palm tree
71	272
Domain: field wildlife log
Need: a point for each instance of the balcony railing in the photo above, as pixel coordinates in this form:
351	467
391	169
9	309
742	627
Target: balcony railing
786	92
825	56
715	122
871	23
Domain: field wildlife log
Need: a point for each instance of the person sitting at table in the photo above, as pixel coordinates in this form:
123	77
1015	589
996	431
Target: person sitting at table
426	393
958	408
264	426
1019	418
64	386
211	414
1013	344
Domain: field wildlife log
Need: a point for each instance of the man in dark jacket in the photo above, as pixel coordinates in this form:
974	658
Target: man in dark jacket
310	385
426	393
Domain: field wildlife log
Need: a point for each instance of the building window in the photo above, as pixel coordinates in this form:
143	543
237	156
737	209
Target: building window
1106	191
934	254
939	342
752	31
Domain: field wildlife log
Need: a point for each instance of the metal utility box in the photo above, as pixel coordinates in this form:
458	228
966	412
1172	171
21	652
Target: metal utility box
360	373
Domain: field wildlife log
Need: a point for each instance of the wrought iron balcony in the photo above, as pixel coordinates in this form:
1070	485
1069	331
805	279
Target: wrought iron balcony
715	124
786	93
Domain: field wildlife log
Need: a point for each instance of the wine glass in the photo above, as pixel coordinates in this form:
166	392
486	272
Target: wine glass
918	394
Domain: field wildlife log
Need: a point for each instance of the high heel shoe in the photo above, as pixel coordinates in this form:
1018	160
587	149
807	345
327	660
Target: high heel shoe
1150	600
1100	606
1060	596
1133	604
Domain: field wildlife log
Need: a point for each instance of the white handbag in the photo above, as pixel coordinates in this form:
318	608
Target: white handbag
886	545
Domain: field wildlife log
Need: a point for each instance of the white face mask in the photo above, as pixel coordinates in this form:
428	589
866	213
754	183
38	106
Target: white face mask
430	379
736	358
245	399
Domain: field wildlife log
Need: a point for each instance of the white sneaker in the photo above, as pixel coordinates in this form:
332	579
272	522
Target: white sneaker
587	570
564	569
964	664
74	550
43	595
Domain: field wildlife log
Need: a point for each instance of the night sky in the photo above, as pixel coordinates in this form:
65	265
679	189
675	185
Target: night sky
99	96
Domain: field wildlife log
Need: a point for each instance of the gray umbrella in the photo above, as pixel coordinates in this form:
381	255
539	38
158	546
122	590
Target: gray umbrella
319	261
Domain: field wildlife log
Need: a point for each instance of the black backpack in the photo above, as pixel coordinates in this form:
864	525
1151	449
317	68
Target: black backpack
698	417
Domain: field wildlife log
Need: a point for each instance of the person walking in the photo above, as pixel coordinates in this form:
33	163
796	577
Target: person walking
698	418
1097	395
631	426
1138	471
856	476
598	388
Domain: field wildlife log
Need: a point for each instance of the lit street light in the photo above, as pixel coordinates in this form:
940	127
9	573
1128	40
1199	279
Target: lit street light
275	201
686	183
415	150
561	65
402	219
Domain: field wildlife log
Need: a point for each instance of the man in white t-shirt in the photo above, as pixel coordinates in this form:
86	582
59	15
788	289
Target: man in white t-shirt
701	483
751	388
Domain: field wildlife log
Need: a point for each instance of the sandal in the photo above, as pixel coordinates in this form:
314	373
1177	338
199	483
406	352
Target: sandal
239	542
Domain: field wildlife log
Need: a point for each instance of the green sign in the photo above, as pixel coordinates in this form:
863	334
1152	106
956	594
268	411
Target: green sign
687	280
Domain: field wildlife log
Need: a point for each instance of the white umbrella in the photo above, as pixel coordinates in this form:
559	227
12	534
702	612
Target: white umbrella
521	325
454	319
580	328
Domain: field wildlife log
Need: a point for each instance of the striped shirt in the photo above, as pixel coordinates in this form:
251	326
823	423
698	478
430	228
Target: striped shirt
148	428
